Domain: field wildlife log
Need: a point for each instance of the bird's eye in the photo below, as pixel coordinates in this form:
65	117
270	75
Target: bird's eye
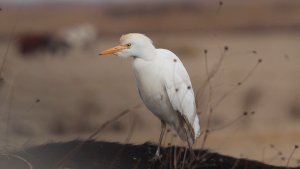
128	44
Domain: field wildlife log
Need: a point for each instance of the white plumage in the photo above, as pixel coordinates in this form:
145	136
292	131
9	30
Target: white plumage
163	84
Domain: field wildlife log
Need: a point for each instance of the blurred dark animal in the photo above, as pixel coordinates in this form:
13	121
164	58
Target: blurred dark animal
105	155
2	82
293	108
31	43
251	98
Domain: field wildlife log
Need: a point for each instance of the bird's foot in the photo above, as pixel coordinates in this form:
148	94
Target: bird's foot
193	155
157	157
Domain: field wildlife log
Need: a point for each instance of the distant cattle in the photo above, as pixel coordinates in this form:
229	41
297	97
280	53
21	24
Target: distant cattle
77	37
80	36
31	43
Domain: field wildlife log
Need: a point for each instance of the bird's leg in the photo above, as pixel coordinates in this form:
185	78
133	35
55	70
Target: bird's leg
192	151
190	147
163	129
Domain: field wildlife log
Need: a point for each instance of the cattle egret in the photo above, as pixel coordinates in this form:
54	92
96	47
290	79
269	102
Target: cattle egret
163	84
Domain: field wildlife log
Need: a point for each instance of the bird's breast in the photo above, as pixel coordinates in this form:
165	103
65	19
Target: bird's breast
150	82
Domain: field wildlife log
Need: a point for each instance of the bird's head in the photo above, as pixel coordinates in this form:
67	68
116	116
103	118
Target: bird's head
133	45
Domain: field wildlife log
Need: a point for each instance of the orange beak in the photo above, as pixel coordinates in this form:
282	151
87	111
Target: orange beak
113	50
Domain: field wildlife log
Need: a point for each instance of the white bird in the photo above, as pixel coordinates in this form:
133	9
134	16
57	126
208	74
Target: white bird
163	84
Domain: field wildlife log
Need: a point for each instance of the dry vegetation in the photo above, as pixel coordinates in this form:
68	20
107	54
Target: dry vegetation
249	108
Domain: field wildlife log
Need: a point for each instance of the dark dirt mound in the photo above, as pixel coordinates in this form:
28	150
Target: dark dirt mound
106	155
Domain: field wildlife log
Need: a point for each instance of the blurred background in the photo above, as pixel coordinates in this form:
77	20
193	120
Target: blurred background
55	87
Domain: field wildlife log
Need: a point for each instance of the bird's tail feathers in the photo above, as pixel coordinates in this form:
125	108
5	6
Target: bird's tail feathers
185	131
196	126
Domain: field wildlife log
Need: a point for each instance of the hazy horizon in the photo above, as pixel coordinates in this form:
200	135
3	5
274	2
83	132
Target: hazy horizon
86	1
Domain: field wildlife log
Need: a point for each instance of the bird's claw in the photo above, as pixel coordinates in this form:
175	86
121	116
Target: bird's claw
157	157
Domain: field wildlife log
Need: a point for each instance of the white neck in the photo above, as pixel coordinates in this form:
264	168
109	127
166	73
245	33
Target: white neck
148	53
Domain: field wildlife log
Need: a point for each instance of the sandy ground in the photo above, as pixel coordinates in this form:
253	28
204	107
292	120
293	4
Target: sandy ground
56	98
